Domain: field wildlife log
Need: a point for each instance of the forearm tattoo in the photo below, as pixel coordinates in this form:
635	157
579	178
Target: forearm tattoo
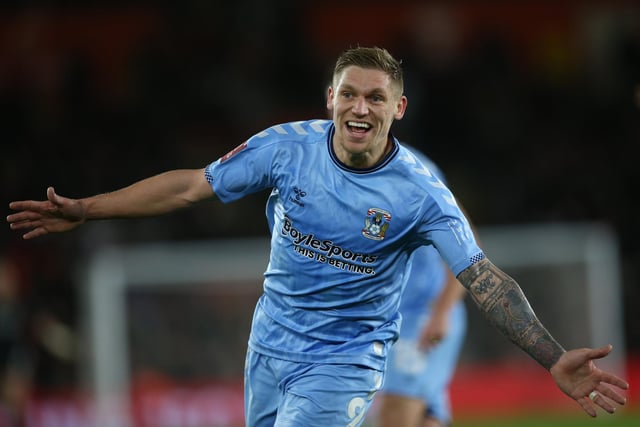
504	304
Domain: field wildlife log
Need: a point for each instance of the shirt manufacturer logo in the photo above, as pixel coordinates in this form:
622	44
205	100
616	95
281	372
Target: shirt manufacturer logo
299	194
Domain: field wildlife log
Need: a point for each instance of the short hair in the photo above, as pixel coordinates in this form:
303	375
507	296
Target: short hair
376	58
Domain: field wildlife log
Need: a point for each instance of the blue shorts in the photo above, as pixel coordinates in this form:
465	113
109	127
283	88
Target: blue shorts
426	375
292	394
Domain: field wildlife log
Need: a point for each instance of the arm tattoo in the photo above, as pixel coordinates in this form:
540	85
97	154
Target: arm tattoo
504	304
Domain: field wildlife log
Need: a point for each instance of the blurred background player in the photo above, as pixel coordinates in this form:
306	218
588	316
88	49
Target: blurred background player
423	360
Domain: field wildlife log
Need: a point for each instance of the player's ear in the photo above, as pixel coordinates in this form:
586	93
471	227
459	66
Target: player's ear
401	107
330	98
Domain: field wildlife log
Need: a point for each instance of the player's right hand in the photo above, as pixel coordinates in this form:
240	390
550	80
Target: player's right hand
54	215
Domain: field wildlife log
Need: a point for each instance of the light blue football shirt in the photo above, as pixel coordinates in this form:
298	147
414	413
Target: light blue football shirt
340	241
427	274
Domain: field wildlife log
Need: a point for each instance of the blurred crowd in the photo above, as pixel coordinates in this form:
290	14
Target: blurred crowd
532	110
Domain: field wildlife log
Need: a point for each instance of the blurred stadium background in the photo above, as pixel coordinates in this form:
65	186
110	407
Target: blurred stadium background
531	108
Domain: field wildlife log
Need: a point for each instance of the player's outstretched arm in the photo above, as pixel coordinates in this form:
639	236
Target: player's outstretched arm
504	304
156	195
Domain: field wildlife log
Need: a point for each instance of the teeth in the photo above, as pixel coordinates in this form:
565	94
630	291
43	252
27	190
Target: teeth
358	125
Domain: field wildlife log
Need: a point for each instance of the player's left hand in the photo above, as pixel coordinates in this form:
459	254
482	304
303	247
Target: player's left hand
434	331
578	377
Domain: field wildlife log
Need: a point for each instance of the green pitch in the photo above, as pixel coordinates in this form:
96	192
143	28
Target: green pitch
625	419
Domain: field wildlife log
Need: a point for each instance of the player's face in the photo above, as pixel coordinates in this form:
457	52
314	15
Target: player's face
363	103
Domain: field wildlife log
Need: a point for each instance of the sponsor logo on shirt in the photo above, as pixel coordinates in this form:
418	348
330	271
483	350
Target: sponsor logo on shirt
327	252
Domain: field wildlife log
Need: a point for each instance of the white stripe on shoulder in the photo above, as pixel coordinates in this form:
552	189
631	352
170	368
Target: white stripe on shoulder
435	182
297	128
450	199
423	170
319	126
280	129
409	159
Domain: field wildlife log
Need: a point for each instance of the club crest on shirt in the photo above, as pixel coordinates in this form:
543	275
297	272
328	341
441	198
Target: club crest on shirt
376	224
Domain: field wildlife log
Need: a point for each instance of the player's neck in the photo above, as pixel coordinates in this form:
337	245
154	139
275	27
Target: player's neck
365	159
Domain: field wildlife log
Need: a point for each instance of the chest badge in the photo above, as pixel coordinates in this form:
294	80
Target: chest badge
376	224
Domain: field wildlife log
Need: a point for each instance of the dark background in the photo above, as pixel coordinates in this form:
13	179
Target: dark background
530	108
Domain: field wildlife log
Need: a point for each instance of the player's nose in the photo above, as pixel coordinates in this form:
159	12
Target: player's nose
360	106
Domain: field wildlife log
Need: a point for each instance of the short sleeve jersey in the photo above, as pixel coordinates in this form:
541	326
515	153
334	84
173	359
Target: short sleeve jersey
427	273
341	239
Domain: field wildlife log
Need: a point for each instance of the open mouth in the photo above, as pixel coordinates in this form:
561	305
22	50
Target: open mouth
358	127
